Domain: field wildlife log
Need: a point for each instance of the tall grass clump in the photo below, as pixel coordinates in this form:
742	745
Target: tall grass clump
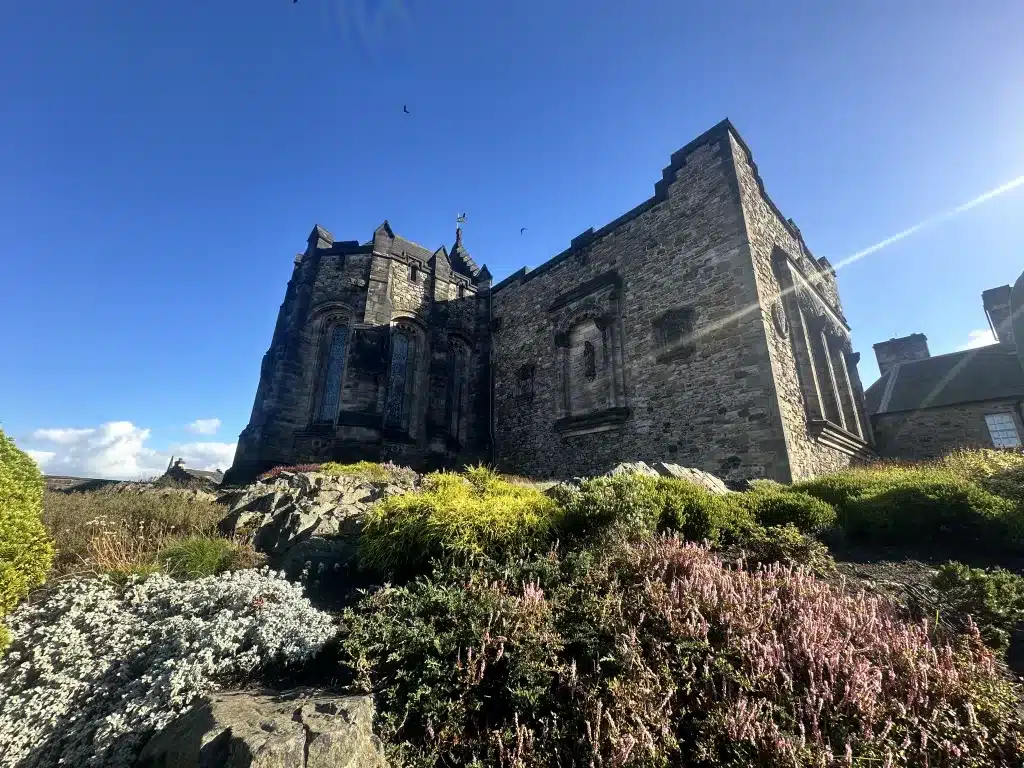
26	551
113	530
455	515
655	654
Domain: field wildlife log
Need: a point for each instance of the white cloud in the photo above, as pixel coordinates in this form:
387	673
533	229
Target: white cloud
204	426
62	436
979	338
117	450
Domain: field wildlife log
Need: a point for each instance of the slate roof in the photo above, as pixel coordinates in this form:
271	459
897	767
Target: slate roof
987	373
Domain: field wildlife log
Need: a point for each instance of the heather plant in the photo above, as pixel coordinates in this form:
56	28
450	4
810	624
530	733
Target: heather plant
270	474
993	598
26	552
654	654
373	472
95	668
455	515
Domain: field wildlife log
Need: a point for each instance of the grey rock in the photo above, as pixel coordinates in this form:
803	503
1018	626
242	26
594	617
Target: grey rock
299	729
299	518
696	476
635	467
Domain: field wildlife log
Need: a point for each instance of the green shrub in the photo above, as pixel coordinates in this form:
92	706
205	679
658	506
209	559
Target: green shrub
993	598
628	505
840	488
199	556
926	507
781	506
455	515
26	551
786	545
634	506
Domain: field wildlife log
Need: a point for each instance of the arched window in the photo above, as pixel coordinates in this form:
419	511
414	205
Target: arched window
334	369
396	405
458	359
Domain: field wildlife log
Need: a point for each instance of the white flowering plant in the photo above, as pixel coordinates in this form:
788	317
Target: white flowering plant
95	668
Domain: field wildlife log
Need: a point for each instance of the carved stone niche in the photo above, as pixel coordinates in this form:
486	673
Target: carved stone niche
673	333
524	381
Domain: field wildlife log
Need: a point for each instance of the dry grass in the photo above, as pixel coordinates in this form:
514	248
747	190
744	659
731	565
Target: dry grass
114	531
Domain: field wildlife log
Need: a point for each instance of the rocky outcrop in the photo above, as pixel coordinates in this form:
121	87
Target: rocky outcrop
662	469
303	520
299	729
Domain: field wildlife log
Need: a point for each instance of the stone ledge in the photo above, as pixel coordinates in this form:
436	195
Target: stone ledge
597	421
834	436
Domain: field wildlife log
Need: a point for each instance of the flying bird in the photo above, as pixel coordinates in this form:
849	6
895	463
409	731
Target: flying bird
404	107
521	230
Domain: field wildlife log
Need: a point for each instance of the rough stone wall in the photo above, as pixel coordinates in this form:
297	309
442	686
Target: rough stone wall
702	399
934	432
768	231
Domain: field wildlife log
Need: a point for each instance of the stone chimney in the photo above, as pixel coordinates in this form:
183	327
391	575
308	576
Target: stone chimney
913	347
1000	316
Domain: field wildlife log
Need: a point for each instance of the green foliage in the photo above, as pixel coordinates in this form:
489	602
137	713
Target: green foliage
633	506
628	505
652	654
994	598
455	515
372	472
786	545
26	551
199	556
921	507
781	506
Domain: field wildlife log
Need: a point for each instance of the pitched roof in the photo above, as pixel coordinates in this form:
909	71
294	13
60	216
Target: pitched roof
986	373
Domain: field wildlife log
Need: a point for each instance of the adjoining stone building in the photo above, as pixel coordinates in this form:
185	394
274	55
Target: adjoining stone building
923	407
697	328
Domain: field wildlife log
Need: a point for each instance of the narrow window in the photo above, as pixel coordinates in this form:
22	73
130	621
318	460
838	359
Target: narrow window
395	406
524	384
414	273
1003	430
330	397
462	291
589	361
456	387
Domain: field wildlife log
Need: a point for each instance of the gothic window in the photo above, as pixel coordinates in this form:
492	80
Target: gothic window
826	378
396	405
330	388
458	357
589	361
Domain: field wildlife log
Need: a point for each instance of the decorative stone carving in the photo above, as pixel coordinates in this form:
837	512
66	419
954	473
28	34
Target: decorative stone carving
779	318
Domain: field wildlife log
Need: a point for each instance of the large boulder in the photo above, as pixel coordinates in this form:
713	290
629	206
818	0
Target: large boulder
299	729
663	469
303	520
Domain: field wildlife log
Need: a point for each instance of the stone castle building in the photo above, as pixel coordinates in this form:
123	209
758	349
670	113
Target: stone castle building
923	407
697	328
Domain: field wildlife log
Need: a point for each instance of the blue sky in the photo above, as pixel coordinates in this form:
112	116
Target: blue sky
162	163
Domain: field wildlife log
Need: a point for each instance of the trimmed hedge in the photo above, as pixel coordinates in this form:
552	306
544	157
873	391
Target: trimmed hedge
26	551
772	506
921	507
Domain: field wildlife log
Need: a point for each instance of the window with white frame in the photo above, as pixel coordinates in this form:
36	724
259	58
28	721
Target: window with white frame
1003	430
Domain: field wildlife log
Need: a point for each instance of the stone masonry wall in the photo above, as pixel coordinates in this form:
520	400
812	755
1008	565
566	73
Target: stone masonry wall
703	398
934	432
767	231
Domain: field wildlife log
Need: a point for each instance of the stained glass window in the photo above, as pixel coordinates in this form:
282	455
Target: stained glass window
394	406
331	394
